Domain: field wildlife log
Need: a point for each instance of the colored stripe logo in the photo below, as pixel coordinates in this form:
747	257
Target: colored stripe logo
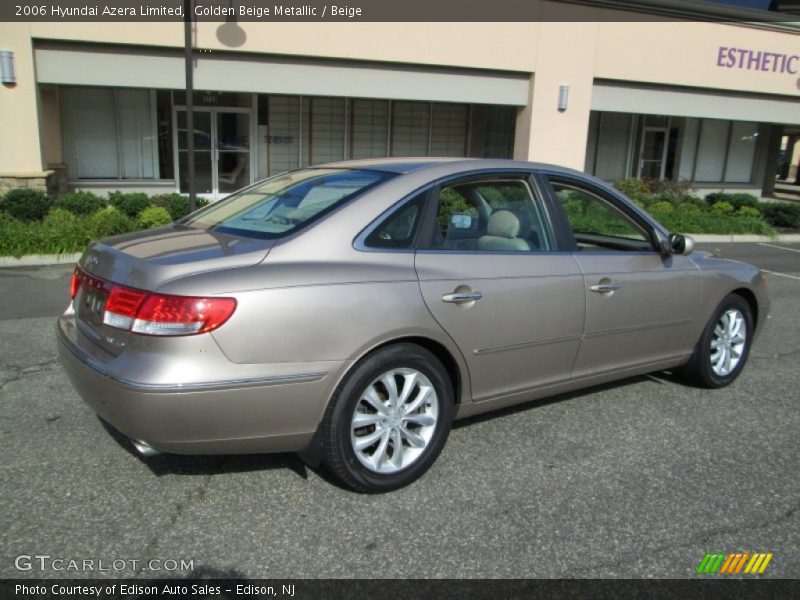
734	563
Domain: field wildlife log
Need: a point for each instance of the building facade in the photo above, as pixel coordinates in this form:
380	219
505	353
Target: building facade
102	106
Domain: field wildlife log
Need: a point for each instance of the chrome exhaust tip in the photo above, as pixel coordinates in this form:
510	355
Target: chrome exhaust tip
145	449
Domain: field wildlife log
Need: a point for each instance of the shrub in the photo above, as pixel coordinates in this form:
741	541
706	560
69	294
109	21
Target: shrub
80	203
130	204
722	208
176	204
781	214
25	204
708	222
748	211
662	206
634	188
689	207
737	201
61	232
667	187
154	216
14	237
110	221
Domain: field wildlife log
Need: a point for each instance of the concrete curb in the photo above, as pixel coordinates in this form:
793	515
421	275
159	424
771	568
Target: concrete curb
39	260
732	239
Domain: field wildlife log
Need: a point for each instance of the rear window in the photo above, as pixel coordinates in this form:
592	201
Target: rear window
283	204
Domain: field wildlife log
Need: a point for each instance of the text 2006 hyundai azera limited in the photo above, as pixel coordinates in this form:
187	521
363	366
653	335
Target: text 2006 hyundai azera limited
352	311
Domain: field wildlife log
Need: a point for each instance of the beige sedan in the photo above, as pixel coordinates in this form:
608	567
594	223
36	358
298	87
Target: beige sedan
351	311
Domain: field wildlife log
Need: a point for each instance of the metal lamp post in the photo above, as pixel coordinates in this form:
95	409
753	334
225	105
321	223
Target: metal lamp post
187	32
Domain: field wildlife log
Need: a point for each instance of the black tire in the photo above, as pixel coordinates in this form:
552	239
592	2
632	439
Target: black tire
338	453
699	369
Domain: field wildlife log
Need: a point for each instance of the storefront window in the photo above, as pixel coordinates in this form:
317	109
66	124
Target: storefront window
710	161
449	129
369	128
282	138
410	128
741	151
686	149
326	126
612	132
109	133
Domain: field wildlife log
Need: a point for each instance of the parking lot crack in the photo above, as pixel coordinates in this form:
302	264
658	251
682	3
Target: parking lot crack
19	373
194	496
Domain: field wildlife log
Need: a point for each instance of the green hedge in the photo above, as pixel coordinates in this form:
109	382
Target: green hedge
80	203
176	204
782	214
30	223
25	204
154	216
718	212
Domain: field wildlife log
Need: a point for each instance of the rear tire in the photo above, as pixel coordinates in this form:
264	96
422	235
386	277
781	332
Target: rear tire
389	420
723	349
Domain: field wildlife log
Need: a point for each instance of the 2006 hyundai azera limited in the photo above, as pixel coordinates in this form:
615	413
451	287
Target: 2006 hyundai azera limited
351	311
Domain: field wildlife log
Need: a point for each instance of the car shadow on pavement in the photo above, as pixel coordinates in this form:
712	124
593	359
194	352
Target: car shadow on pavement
177	464
517	408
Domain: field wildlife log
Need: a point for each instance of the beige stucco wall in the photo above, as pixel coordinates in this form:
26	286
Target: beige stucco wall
545	133
506	46
550	53
19	121
685	54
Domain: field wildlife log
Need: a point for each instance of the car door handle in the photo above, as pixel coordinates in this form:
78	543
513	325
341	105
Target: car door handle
604	288
462	297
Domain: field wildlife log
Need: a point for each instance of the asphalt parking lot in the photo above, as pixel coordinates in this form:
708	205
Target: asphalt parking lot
636	479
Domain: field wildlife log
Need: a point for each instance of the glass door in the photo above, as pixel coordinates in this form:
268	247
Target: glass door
653	153
232	160
203	152
222	144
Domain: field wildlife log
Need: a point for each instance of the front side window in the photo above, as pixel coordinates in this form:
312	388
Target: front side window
283	204
490	215
596	224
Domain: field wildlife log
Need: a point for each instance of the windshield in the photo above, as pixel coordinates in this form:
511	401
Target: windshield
285	203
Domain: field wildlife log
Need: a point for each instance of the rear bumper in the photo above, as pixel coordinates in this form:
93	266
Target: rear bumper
276	412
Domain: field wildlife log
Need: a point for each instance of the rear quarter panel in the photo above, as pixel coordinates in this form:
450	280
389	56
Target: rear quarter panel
299	311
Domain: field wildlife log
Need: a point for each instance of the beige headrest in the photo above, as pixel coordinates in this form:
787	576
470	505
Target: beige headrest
503	223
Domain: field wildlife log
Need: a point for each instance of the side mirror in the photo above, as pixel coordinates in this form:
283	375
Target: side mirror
680	244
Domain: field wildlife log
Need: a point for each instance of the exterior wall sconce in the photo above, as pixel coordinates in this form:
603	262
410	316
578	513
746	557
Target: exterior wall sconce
7	74
563	97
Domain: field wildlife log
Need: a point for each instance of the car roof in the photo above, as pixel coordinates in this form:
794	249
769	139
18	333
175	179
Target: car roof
404	165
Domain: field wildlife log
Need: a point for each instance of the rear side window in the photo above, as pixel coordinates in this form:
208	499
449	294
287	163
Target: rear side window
399	229
283	204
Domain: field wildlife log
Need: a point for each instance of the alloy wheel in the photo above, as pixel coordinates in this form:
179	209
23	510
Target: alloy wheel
728	342
394	420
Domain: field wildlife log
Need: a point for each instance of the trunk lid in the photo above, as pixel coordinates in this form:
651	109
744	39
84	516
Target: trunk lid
149	259
146	260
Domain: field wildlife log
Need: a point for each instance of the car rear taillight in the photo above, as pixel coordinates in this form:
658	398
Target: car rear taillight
181	315
147	313
75	283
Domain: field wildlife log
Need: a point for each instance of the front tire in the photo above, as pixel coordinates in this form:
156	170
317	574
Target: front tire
389	420
724	347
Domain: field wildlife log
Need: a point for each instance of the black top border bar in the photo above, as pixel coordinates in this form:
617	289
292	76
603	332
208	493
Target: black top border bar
389	11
